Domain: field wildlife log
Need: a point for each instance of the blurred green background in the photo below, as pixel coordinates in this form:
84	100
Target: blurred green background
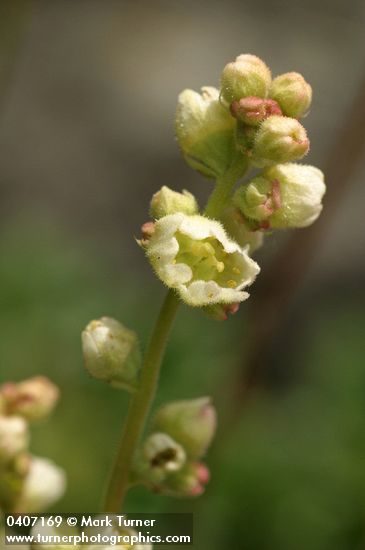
87	98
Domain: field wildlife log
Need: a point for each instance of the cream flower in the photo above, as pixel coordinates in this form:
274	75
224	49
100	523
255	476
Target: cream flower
193	255
284	196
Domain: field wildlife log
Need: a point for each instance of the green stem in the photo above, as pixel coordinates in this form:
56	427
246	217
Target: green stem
140	405
219	198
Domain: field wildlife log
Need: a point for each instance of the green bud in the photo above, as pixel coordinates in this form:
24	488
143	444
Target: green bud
247	76
166	201
279	139
32	399
205	131
14	437
293	94
284	196
191	423
111	352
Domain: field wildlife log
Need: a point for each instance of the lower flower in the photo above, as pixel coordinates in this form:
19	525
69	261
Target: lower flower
193	255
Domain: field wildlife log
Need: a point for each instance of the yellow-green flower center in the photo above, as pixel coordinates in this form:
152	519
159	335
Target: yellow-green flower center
208	261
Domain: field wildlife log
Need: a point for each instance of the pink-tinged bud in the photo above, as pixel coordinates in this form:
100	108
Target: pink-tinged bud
203	473
191	423
293	94
253	110
147	230
190	481
32	399
279	139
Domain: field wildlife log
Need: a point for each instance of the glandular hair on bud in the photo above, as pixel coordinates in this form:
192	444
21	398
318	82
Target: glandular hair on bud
247	76
111	352
279	139
253	110
166	201
293	94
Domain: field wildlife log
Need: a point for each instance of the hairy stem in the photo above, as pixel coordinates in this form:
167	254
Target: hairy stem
219	198
142	399
140	405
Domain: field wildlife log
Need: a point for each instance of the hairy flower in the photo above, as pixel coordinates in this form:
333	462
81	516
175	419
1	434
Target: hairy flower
205	131
285	195
279	139
293	94
166	201
193	255
111	352
247	76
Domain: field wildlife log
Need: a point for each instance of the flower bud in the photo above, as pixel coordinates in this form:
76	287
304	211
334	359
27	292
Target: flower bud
191	423
33	398
286	195
111	352
14	437
253	110
279	139
193	255
44	485
247	76
293	94
205	132
166	201
190	481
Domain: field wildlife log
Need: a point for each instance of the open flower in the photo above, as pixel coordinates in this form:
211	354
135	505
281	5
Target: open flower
193	255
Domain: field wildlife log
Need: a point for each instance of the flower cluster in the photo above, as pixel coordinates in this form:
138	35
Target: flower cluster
169	460
250	122
27	483
204	256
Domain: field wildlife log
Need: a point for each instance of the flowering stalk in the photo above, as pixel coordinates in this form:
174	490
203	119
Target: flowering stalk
204	258
140	405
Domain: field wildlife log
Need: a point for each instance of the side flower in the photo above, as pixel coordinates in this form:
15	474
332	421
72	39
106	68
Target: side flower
205	131
284	196
193	255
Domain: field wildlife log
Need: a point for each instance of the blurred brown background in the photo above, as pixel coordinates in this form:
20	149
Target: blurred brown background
87	97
